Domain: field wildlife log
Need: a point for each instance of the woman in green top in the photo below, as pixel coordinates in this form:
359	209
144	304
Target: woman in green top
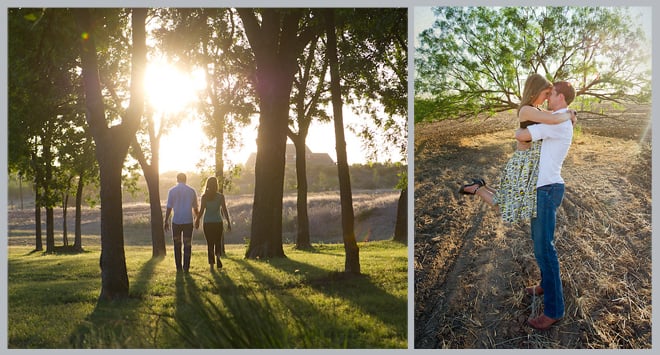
213	208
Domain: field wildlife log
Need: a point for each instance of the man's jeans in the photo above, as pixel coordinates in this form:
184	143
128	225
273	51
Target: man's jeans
187	231
549	198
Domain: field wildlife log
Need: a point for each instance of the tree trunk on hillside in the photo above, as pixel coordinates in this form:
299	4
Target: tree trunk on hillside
302	239
352	264
276	45
77	239
401	227
112	146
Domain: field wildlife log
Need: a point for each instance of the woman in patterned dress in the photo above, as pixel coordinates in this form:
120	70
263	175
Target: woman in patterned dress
516	197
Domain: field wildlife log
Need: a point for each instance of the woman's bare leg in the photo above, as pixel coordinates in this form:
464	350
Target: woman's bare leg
486	193
492	190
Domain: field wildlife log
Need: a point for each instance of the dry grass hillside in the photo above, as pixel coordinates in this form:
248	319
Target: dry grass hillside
374	211
470	268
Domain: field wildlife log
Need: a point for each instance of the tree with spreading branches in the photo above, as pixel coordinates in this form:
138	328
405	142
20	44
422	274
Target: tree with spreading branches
474	60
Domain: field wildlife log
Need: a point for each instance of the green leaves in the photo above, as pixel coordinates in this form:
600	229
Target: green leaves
476	59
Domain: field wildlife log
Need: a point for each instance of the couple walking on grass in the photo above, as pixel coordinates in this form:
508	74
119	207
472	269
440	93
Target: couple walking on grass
531	187
183	200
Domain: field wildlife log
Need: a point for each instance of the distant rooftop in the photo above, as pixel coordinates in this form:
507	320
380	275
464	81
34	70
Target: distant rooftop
316	159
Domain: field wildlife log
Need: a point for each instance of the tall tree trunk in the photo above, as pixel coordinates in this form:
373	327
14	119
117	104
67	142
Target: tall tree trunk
157	232
47	181
401	226
219	159
302	239
37	203
152	177
77	239
266	229
276	43
305	111
114	276
50	230
65	231
352	264
219	121
112	146
20	188
37	220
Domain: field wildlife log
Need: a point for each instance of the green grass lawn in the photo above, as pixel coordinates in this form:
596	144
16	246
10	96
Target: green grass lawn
302	301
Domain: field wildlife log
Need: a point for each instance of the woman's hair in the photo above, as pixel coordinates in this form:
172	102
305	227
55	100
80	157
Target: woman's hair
211	188
534	85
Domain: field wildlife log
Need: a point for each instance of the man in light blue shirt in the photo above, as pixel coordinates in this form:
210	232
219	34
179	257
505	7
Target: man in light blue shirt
183	200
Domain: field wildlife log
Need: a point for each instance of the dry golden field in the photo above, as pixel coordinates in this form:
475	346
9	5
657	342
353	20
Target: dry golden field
374	211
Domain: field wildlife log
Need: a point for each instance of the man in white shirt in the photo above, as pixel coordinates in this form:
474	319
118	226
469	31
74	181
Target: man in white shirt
183	200
550	192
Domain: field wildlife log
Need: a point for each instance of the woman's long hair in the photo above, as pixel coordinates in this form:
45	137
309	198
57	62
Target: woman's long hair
211	188
534	86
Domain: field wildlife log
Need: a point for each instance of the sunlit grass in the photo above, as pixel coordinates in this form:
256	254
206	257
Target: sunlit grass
302	301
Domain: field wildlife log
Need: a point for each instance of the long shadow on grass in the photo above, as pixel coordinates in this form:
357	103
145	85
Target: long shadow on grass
357	289
143	279
119	324
335	334
241	319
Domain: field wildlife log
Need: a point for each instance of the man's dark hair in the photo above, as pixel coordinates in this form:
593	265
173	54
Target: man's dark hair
565	88
180	177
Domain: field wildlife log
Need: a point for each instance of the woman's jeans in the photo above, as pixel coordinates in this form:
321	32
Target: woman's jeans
549	198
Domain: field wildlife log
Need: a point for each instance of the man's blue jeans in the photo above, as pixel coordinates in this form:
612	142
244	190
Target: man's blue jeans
548	198
185	230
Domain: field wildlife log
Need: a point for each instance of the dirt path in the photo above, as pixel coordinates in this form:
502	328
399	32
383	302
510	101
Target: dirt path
470	268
